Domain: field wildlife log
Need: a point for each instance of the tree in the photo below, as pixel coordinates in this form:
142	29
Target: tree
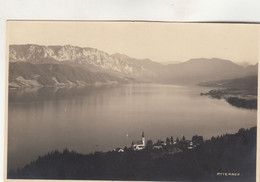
177	140
241	130
149	144
171	140
168	141
197	140
183	138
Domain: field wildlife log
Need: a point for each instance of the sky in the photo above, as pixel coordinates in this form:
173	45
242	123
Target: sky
160	42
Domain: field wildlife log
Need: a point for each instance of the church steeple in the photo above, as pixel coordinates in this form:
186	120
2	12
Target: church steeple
143	139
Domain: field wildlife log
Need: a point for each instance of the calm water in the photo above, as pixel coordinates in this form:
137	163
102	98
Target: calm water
105	117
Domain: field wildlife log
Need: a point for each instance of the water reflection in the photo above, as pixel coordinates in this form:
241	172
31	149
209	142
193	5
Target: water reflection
100	118
50	93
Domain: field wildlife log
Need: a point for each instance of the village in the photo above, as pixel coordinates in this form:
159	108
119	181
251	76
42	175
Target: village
169	146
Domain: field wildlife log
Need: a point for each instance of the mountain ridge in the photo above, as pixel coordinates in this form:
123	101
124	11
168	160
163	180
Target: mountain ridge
204	69
61	75
120	65
96	59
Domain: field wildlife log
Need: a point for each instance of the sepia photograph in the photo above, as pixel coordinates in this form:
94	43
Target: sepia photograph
131	101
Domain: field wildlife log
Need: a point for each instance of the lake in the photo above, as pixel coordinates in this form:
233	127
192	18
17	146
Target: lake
101	118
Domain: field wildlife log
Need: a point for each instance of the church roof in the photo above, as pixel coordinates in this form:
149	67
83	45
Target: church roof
139	142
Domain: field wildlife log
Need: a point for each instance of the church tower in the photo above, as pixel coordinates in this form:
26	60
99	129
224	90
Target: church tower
143	139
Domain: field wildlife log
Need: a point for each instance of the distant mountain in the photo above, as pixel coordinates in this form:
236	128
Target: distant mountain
202	69
246	84
87	63
244	64
22	74
156	68
94	59
171	62
251	70
120	56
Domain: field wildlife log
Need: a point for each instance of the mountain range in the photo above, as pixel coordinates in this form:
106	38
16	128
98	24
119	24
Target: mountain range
36	65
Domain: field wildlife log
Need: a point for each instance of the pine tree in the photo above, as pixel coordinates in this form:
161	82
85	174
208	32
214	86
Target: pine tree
171	140
149	144
168	141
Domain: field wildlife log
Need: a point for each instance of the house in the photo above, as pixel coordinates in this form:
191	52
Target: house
164	143
191	145
140	144
157	147
118	150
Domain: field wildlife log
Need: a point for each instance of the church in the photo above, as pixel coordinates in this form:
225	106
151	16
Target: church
140	144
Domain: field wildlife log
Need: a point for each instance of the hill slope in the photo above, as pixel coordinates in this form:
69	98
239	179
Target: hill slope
201	70
22	74
230	153
239	92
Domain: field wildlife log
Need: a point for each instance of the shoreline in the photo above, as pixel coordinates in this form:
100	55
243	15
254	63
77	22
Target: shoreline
229	146
233	98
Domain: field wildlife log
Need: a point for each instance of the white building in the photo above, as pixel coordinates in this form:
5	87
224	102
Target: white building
140	144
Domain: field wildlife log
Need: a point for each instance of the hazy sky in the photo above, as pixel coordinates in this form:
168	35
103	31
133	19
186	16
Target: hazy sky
158	41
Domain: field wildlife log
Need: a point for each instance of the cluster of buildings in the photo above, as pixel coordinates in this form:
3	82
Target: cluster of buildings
141	145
